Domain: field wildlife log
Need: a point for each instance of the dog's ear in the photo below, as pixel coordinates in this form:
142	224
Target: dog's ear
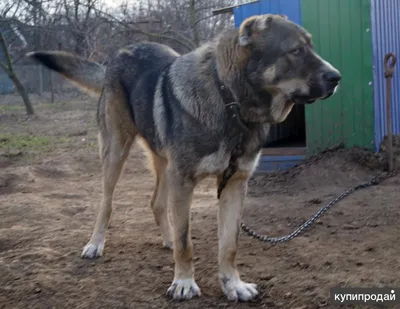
252	27
283	16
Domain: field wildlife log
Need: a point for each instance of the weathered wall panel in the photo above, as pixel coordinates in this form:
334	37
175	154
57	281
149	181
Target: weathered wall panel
385	25
341	33
291	8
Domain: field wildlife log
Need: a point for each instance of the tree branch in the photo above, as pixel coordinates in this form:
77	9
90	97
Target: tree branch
6	54
4	67
150	34
192	18
35	5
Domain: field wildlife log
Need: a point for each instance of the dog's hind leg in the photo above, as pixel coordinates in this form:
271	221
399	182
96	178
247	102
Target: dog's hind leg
115	140
230	212
180	192
159	200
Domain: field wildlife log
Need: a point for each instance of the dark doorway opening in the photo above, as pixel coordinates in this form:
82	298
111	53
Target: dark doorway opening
291	133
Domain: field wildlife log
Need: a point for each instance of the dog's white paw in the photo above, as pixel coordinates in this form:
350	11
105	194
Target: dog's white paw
92	250
183	289
235	289
168	245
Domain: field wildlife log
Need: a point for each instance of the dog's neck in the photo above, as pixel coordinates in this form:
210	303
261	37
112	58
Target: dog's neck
256	106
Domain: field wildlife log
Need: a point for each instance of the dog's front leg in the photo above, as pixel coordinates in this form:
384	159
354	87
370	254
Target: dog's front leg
180	193
230	212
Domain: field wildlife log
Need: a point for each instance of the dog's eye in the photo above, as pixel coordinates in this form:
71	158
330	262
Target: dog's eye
296	51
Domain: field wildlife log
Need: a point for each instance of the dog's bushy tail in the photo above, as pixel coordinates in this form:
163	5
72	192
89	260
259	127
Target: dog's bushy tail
87	75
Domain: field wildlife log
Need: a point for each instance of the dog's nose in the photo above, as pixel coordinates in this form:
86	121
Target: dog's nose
332	77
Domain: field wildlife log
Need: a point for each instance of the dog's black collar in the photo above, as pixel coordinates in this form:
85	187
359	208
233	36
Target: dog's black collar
232	106
237	130
224	91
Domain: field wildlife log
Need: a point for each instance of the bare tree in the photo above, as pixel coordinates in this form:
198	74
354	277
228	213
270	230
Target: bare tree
183	24
95	31
8	67
91	29
10	11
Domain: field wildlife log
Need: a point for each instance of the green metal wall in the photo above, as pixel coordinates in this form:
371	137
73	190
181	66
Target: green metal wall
341	34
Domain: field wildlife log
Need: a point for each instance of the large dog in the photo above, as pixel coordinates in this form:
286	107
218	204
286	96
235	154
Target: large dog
179	106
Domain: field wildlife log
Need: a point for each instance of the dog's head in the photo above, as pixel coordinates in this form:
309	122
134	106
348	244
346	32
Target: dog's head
282	60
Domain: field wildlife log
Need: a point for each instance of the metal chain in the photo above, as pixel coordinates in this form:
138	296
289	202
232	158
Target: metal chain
275	240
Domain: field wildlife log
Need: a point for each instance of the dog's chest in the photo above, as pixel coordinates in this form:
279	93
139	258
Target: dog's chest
217	162
214	163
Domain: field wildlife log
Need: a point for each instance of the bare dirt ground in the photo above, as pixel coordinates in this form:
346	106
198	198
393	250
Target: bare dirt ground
50	187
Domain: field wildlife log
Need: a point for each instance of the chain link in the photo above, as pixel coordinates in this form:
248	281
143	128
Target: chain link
277	240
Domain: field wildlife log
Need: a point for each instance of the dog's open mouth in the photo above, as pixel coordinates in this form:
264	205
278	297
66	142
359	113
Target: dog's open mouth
304	99
327	96
300	99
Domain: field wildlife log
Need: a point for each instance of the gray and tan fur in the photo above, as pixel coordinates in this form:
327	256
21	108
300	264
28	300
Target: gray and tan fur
173	104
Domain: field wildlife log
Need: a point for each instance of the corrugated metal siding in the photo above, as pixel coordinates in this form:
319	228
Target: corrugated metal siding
290	8
341	36
385	24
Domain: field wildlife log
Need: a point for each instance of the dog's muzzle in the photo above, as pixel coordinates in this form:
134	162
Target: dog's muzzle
328	86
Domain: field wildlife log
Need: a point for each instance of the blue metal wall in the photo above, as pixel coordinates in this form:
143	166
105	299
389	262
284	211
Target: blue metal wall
385	23
278	163
290	8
